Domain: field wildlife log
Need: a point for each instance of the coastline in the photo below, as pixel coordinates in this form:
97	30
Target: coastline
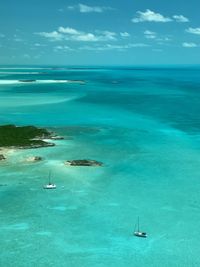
25	137
150	169
6	151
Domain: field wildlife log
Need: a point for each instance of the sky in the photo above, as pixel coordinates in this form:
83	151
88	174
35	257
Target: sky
103	32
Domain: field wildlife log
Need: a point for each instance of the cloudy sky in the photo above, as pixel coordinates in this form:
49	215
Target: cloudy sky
103	32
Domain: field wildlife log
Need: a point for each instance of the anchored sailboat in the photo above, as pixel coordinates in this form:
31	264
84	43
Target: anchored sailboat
50	185
137	231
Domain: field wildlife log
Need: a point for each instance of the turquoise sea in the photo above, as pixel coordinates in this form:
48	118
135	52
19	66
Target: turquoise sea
144	125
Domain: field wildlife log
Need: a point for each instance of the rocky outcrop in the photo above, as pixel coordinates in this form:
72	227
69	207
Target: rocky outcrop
34	159
44	144
2	157
27	81
83	162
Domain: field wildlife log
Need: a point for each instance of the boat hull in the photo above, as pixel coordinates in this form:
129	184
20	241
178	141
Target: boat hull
140	234
49	186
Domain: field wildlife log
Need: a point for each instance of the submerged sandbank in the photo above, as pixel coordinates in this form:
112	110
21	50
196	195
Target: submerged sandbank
24	81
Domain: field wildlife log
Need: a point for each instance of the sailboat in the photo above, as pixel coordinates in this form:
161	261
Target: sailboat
137	231
49	185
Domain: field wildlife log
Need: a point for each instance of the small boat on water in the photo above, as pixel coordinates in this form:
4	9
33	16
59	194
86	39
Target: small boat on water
50	185
137	231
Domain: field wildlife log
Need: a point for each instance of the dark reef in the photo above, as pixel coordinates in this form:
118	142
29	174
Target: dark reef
83	162
2	157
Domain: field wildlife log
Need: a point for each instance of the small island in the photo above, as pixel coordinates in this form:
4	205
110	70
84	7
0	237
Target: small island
27	81
34	159
12	136
83	162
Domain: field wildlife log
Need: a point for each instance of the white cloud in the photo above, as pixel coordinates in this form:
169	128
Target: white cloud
124	34
106	35
89	9
85	37
71	7
17	39
53	36
189	45
58	47
167	39
68	30
138	45
75	35
180	18
164	39
149	34
193	30
62	48
150	16
39	45
108	47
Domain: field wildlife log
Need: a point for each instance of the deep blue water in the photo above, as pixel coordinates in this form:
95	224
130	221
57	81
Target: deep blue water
144	125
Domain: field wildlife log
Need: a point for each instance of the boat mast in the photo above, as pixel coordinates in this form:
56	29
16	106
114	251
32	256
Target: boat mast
138	224
49	177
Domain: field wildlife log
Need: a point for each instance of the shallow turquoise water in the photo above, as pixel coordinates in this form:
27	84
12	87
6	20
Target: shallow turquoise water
143	124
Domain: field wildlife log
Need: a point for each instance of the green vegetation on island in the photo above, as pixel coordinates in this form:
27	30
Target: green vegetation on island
24	136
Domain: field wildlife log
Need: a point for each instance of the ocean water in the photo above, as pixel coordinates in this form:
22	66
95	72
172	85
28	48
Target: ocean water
144	125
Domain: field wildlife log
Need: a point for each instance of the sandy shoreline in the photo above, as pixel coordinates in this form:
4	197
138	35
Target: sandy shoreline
6	151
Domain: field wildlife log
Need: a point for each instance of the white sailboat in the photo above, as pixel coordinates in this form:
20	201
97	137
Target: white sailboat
137	231
50	185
